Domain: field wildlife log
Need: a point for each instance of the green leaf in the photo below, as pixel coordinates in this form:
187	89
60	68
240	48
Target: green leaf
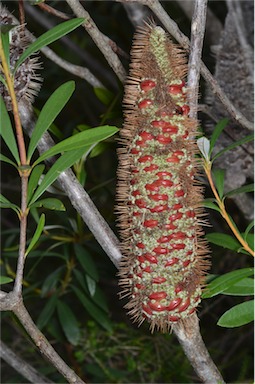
243	189
48	37
86	261
219	177
234	145
49	203
80	140
216	133
47	311
249	227
91	285
6	131
204	147
7	160
93	310
238	315
5	203
222	283
34	179
37	234
49	112
244	287
5	280
207	203
64	162
223	240
5	37
104	95
51	281
68	323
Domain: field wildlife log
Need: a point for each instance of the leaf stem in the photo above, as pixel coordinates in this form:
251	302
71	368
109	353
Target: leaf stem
224	214
10	85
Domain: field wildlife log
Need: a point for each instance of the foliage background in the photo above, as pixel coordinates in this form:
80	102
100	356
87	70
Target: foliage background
118	351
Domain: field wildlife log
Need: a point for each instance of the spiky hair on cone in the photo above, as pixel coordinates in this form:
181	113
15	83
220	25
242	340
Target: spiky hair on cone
27	82
158	198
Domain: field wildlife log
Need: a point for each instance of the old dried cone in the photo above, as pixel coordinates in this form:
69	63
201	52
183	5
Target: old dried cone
159	201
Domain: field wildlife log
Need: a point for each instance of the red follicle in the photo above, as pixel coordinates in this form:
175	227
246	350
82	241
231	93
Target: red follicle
146	136
171	262
173	319
150	223
158	295
163	239
147	85
179	193
175	89
152	187
178	246
134	151
140	203
174	304
159	208
178	153
150	168
160	250
140	245
170	226
156	306
173	159
185	109
158	280
152	259
175	216
163	139
145	158
186	263
164	174
176	207
159	197
145	103
184	305
178	235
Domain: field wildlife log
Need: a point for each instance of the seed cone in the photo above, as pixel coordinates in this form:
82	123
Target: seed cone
158	197
27	82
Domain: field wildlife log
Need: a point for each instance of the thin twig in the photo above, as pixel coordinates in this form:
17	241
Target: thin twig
47	8
174	30
102	41
196	45
21	366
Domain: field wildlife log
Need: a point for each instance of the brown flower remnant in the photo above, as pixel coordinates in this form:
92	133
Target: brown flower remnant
27	82
159	199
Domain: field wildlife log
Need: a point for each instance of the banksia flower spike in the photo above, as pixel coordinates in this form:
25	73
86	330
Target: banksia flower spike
159	201
27	82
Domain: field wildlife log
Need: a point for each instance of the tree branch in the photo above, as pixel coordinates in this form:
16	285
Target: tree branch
196	46
21	366
101	41
189	336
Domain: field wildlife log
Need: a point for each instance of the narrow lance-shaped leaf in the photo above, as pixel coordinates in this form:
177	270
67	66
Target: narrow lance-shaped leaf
7	160
238	315
47	311
5	203
68	323
50	203
37	234
216	133
249	227
244	189
244	287
223	240
82	139
211	203
6	131
34	179
221	283
50	111
64	162
48	38
234	145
